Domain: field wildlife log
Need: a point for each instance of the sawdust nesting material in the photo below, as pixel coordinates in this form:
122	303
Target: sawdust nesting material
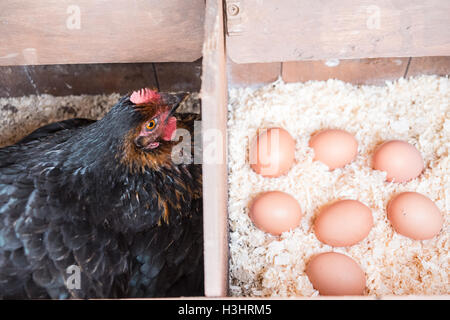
415	110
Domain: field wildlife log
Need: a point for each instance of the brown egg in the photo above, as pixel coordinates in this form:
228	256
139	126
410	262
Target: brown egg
335	148
335	274
275	212
343	223
399	159
414	215
272	152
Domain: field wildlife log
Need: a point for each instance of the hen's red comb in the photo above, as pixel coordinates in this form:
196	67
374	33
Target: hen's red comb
144	96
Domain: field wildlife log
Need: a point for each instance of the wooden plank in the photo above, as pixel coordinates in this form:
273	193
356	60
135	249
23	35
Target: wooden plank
214	126
429	65
358	71
75	79
252	73
85	31
291	30
179	76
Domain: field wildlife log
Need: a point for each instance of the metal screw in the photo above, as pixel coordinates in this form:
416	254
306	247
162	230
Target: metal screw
233	9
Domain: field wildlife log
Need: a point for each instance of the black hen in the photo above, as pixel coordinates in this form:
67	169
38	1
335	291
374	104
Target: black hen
105	198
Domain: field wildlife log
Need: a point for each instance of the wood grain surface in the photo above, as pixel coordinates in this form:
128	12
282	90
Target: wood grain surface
179	76
86	31
250	74
429	65
291	30
105	78
356	71
214	126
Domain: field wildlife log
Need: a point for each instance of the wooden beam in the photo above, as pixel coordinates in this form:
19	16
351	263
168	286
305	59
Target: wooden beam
85	31
291	30
214	126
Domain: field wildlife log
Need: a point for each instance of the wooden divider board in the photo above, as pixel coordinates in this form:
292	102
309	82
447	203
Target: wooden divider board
86	31
292	30
249	74
214	128
75	79
429	65
355	71
179	76
374	71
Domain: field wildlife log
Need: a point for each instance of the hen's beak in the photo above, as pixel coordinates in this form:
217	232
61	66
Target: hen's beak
174	100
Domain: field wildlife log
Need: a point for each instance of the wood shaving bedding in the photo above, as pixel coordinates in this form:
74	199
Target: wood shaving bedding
416	110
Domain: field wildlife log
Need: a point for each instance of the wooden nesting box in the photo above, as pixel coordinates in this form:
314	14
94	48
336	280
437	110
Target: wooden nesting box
252	42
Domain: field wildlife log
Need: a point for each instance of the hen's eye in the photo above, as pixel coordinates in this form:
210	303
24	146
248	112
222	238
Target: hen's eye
150	125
